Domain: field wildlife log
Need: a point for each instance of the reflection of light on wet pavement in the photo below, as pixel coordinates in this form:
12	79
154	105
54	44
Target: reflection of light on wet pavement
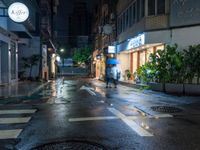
100	91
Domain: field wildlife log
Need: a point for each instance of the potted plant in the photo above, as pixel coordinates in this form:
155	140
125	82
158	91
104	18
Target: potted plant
192	63
128	74
153	72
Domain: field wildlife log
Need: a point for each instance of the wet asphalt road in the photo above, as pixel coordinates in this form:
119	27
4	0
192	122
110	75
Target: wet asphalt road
117	119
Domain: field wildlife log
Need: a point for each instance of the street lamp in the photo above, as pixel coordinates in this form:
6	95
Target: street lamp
62	50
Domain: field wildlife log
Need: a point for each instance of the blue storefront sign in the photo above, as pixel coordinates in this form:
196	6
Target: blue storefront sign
132	43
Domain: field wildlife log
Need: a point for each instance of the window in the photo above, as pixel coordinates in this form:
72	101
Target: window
123	22
151	7
142	8
127	19
156	7
133	13
138	10
160	7
130	16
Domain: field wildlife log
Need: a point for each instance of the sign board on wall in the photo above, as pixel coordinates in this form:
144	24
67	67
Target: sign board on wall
111	49
136	41
18	12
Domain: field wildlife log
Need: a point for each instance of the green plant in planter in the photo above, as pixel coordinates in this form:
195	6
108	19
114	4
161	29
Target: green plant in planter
174	64
198	63
163	66
192	63
128	74
146	72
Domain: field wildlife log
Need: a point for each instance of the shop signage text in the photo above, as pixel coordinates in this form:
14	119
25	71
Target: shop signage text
136	41
111	49
18	12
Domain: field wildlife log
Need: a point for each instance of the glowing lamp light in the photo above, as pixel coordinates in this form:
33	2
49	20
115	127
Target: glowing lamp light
62	50
58	58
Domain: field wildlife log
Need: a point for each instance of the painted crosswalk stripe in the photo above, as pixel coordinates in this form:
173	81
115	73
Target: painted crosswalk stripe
20	111
134	126
10	134
14	120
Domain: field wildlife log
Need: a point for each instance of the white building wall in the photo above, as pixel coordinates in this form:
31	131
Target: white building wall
186	36
162	36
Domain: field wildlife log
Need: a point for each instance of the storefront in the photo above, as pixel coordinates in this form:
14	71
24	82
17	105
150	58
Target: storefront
135	52
99	60
8	57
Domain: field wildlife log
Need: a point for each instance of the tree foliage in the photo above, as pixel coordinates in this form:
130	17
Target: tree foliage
82	55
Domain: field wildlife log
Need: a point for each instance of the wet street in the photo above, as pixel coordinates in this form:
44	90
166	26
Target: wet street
80	113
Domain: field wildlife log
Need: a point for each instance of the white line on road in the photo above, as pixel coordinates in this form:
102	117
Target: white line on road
10	134
92	118
89	90
37	89
139	130
14	120
20	111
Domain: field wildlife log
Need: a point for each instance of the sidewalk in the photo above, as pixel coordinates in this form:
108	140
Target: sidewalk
19	89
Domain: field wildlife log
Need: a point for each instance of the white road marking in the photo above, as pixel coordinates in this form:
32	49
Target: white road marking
92	118
20	111
89	90
37	89
14	133
10	134
139	130
163	116
14	120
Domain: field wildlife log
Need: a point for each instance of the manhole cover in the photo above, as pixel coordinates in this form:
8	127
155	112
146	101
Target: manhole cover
71	145
166	109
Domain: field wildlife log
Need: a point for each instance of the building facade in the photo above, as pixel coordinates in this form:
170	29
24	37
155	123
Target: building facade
104	31
144	26
15	38
79	25
48	12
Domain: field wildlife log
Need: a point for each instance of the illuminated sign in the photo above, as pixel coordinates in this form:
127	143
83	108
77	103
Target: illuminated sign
18	12
111	49
136	41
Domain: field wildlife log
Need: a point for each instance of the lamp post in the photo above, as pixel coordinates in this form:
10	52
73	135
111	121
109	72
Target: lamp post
62	50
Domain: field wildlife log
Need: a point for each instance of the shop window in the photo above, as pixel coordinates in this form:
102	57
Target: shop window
135	61
142	58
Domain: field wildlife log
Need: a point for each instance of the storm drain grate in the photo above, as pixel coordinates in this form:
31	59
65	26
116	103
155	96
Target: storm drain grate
166	109
71	145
